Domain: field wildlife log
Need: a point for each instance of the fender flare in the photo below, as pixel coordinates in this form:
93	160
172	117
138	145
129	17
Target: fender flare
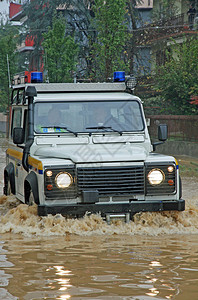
9	174
31	182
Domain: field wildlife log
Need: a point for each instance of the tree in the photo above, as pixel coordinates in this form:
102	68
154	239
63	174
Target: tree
177	79
61	52
8	39
132	17
40	17
79	16
164	10
108	49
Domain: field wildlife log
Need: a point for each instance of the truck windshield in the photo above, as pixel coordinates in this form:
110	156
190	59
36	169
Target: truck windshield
88	117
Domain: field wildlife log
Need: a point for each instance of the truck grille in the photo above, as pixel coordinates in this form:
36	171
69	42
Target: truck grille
112	180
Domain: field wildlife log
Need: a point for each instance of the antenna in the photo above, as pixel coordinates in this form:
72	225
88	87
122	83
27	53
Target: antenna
8	72
47	77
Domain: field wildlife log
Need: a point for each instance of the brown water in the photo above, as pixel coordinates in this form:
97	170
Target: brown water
154	257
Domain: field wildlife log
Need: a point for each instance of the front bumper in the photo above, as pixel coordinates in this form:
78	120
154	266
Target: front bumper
131	208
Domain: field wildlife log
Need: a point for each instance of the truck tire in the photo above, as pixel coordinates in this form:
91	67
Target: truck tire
8	188
31	199
9	180
180	187
31	189
29	196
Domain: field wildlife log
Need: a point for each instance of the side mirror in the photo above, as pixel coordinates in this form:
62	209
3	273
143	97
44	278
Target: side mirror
162	132
162	135
18	135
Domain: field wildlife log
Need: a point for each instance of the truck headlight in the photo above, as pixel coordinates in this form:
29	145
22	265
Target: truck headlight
63	180
156	176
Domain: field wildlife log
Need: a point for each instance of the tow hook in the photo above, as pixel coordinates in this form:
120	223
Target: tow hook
125	217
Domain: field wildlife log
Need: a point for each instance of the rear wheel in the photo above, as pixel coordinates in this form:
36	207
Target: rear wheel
7	188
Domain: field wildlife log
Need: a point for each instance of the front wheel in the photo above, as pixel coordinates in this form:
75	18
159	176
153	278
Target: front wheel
180	188
29	197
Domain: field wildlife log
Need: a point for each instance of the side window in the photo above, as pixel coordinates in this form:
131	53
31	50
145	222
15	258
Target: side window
25	125
18	96
16	118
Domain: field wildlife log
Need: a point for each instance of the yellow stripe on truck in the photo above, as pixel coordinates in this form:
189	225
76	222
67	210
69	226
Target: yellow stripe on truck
14	154
33	162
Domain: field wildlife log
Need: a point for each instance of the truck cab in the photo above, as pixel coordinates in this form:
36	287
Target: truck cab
77	148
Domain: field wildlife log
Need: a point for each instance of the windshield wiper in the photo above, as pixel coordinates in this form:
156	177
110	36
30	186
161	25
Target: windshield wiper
61	127
104	127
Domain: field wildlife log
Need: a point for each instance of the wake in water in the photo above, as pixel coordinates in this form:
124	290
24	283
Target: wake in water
23	219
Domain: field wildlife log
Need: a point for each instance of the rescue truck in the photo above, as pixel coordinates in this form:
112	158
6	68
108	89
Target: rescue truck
82	148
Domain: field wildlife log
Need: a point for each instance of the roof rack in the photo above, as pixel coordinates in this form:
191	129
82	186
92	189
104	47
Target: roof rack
74	87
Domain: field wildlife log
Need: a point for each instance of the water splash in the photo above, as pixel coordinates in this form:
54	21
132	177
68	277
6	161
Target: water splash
23	219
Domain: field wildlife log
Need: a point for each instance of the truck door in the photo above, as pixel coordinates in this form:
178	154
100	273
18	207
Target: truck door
22	173
15	153
19	119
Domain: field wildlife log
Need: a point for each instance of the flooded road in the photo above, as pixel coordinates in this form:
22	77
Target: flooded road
154	257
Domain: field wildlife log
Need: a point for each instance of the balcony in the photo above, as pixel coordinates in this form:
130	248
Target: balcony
145	4
27	45
164	29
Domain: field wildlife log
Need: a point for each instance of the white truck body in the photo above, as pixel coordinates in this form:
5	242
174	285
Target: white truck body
77	167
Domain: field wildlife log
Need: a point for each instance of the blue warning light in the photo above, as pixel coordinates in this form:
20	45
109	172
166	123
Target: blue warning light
36	77
119	76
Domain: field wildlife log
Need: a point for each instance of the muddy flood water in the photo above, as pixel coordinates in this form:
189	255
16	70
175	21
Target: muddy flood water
154	257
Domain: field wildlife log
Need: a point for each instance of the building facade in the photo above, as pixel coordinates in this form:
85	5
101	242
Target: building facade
156	26
4	11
